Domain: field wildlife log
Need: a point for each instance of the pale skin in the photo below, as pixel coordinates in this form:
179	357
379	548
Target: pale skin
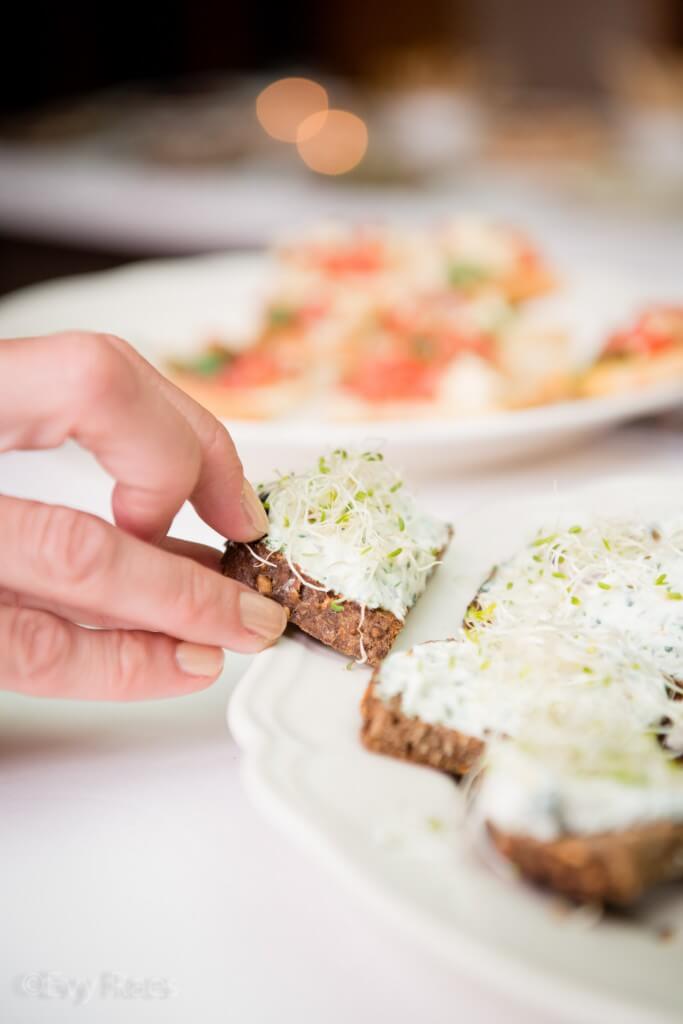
164	609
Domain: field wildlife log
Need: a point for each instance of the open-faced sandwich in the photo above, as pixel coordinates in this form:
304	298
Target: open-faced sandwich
592	808
348	552
449	355
562	690
645	354
384	322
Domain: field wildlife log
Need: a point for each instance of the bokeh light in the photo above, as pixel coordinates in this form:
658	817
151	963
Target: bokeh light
283	105
332	141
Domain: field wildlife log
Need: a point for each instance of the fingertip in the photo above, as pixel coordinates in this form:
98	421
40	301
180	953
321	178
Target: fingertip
261	616
255	515
200	660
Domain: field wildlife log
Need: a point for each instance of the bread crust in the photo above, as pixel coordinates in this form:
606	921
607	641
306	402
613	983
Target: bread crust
311	609
612	376
611	867
387	730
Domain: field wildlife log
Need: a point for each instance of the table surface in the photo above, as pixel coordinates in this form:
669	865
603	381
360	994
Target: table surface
139	884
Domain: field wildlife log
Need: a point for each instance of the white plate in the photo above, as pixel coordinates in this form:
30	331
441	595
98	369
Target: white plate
174	305
295	715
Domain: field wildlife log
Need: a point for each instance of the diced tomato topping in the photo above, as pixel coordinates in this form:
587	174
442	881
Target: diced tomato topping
384	377
362	257
527	255
453	343
434	341
313	311
656	330
252	369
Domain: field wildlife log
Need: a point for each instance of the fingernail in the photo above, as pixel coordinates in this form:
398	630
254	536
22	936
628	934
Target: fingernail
262	616
252	506
198	660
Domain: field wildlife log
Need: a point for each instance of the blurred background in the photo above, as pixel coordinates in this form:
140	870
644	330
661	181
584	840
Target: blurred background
131	130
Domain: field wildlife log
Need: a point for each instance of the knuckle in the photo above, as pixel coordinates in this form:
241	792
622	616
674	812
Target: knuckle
40	643
127	663
216	441
195	596
222	446
96	368
70	546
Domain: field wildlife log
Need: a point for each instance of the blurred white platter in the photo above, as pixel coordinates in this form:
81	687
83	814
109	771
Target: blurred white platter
171	306
394	832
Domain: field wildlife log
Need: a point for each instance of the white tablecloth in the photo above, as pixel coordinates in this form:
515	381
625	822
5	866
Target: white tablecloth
133	862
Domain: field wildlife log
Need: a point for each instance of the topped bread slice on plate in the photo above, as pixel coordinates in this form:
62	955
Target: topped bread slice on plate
563	693
348	552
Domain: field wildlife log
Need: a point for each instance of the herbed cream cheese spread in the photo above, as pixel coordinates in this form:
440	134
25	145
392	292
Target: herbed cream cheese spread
351	525
571	670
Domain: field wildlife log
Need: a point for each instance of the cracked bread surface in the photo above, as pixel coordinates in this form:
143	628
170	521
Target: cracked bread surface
323	614
386	729
613	868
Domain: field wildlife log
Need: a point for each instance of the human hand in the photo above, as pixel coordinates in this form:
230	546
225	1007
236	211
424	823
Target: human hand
165	609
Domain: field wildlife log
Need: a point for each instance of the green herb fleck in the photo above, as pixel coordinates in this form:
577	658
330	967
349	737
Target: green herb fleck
464	275
435	824
280	316
543	540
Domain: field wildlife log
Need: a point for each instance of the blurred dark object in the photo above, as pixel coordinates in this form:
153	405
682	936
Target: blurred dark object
26	262
533	45
646	93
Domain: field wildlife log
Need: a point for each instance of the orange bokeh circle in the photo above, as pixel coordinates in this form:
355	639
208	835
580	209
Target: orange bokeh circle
283	105
332	141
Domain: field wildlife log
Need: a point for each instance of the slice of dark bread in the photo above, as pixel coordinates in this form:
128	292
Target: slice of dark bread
325	615
609	867
387	730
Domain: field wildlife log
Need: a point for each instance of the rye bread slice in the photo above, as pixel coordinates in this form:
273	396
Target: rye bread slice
613	868
387	730
325	615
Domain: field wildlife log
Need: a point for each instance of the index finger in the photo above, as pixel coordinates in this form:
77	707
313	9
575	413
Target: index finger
83	386
220	475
